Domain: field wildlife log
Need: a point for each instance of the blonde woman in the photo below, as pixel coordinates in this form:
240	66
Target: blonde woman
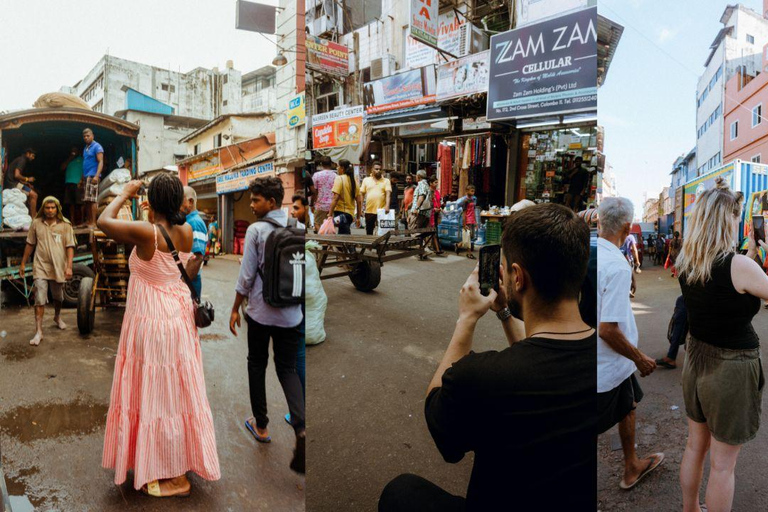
723	377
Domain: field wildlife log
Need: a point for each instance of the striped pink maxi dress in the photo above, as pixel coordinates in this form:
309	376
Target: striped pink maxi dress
159	422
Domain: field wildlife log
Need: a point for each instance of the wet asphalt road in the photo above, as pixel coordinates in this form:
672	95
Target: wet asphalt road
661	420
368	380
54	398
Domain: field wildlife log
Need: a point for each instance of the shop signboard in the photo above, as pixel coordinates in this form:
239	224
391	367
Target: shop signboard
296	111
327	57
531	11
545	68
343	127
424	21
431	127
418	55
403	90
204	168
470	124
240	180
462	77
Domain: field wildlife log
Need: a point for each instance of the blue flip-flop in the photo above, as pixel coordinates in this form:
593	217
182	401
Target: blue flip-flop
288	419
261	439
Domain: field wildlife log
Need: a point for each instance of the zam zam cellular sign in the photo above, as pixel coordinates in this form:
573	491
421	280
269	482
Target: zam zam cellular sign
544	69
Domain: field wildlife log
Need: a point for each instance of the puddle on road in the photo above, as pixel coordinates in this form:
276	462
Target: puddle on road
13	352
212	337
47	421
17	489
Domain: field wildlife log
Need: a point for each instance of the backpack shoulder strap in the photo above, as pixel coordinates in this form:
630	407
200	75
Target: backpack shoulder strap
270	221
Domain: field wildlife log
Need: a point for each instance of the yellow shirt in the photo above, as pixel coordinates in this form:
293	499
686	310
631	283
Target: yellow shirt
343	187
375	193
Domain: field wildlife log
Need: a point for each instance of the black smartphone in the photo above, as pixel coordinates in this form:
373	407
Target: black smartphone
758	223
490	259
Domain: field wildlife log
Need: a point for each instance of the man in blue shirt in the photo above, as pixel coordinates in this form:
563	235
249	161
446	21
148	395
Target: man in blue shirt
282	325
199	233
93	164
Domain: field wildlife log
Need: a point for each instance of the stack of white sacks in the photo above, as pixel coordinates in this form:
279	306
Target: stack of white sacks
113	184
15	211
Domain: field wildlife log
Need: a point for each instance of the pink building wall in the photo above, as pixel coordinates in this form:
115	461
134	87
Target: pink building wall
738	105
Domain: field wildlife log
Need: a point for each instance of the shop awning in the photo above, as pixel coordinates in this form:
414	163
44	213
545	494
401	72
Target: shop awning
608	35
420	113
267	155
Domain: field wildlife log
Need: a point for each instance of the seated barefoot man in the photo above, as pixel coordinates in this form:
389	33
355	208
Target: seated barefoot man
52	238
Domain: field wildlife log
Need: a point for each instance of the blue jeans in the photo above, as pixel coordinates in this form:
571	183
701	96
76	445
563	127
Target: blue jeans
345	224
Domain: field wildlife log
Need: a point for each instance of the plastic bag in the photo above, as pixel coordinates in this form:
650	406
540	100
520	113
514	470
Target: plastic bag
466	238
113	190
18	222
315	299
327	228
14	209
115	177
386	221
14	196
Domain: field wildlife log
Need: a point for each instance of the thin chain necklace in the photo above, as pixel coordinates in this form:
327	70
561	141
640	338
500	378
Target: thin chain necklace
561	333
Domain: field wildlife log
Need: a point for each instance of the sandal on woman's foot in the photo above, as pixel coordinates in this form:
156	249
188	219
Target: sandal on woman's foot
153	489
252	430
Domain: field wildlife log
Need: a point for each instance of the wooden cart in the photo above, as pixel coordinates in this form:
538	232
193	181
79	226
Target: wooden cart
361	256
108	288
11	248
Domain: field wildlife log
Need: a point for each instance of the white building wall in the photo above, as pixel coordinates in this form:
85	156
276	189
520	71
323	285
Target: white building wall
290	142
733	51
380	37
158	144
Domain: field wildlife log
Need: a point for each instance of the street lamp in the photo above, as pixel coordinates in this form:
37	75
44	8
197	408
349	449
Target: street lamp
279	60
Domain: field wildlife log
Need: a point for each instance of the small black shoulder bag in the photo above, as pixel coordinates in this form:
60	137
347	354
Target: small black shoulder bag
204	313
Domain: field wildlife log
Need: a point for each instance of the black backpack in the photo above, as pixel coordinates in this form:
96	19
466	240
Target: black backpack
282	270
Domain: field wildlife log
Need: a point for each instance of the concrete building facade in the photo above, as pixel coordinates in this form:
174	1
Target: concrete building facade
200	93
736	50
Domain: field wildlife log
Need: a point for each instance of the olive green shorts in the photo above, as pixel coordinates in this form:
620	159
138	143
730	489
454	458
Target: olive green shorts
724	389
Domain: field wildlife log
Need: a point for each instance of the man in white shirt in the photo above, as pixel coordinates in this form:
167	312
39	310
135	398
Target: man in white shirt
618	357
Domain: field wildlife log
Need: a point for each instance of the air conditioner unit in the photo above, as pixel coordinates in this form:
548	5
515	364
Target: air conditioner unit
383	66
471	40
328	19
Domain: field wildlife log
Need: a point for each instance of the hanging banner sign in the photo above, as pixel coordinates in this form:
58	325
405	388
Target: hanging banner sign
403	90
296	111
204	168
327	57
240	180
544	69
424	21
465	76
342	127
418	55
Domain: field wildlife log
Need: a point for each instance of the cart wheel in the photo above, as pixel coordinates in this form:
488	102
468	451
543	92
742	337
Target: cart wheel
71	287
86	313
366	276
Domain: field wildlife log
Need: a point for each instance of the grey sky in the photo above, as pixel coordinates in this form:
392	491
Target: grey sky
45	44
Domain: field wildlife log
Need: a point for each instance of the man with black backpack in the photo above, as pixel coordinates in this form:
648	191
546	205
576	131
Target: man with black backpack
272	278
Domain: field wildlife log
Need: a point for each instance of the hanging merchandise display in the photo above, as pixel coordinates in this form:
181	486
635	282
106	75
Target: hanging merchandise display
550	171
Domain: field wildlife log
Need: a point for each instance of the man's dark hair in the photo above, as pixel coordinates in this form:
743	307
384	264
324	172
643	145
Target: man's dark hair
326	162
88	130
270	187
165	194
375	163
300	197
30	150
677	234
551	243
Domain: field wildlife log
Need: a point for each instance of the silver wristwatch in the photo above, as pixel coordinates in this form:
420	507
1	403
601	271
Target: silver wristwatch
504	314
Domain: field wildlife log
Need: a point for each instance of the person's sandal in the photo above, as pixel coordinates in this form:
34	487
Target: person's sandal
656	460
259	438
153	489
664	364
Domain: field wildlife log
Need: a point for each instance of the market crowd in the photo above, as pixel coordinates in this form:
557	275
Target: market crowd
158	391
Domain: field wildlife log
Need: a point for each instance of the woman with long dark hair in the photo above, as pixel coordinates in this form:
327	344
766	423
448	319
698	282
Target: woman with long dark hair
345	198
159	422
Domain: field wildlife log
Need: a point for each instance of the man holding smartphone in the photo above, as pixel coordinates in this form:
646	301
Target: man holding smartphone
526	411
